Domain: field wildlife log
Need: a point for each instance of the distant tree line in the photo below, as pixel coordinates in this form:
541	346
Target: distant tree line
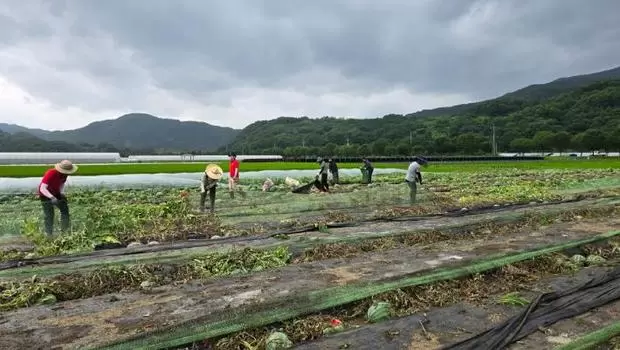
25	142
586	119
580	120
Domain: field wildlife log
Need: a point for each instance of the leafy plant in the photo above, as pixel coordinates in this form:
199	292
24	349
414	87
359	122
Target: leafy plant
513	299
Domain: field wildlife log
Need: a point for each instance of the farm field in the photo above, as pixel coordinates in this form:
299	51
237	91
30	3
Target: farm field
155	168
354	268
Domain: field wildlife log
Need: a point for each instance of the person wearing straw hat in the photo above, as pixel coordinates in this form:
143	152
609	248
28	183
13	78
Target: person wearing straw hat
213	173
50	193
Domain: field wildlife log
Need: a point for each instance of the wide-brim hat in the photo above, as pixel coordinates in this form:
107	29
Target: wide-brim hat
214	171
66	167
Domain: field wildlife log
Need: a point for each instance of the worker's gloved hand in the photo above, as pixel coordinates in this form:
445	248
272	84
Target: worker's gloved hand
54	201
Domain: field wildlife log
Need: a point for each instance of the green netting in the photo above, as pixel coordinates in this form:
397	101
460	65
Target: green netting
591	340
183	251
298	305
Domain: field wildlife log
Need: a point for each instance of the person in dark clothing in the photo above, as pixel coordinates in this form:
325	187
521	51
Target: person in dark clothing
367	166
322	175
50	193
333	168
213	173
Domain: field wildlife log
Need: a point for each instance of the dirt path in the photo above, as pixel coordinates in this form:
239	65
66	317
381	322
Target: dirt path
183	250
99	320
444	326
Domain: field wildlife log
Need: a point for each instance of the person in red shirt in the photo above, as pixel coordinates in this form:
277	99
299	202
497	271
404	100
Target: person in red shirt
50	193
233	176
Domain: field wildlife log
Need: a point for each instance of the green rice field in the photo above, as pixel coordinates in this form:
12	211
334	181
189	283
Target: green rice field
18	171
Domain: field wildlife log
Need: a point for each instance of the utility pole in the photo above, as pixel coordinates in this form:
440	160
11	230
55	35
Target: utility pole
410	138
303	142
493	143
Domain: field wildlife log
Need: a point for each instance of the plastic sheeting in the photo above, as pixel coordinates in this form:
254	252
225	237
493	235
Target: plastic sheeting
546	310
29	184
213	325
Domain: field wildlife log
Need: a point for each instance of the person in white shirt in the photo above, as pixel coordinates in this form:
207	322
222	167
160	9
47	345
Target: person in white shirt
413	176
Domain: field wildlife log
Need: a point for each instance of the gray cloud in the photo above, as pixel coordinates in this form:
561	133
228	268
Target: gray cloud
237	61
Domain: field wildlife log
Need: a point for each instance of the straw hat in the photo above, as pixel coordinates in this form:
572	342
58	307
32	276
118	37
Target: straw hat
214	171
66	167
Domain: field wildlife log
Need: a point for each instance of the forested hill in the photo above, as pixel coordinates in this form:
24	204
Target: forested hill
562	85
534	92
25	142
138	131
586	118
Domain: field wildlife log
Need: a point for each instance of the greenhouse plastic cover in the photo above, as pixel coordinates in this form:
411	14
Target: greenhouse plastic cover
103	157
185	157
29	184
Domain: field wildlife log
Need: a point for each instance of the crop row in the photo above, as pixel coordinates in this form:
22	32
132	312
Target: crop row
106	217
95	280
306	317
405	295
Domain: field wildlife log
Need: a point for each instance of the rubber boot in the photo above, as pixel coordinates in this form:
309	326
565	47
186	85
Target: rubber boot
232	194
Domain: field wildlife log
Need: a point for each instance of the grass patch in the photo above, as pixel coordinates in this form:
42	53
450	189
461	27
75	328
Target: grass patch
187	167
155	168
513	299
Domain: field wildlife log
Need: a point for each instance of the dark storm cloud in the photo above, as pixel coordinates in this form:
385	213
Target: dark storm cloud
418	44
204	50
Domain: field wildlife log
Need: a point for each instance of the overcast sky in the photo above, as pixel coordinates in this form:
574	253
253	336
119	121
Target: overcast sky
65	63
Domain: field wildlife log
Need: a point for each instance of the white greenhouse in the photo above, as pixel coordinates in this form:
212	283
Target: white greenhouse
194	158
55	157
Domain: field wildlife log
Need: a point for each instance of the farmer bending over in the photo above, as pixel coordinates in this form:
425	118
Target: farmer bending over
50	193
414	175
233	177
209	183
322	175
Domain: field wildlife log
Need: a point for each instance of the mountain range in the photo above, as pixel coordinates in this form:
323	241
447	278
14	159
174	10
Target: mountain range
139	131
148	133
